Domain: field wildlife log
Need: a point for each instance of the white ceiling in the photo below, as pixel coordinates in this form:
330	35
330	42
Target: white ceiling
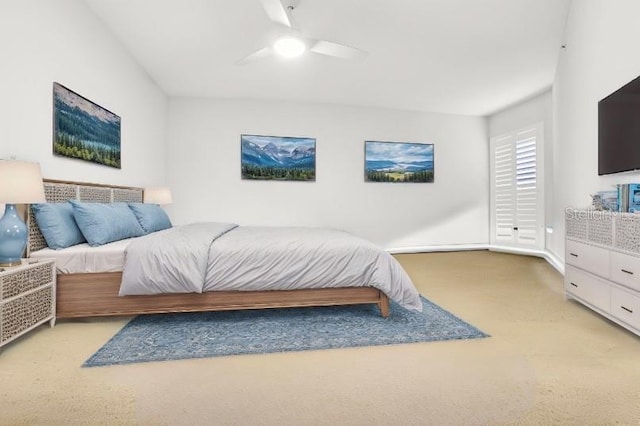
470	57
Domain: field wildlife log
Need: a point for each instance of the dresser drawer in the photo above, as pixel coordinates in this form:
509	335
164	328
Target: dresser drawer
588	288
625	270
625	306
590	258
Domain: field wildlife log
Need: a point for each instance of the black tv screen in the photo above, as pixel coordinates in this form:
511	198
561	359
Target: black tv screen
619	130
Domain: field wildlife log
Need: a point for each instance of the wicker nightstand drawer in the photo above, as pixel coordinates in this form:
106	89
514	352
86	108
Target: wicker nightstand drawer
23	280
27	298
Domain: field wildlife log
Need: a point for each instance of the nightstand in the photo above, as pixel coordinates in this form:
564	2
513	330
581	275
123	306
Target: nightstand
27	298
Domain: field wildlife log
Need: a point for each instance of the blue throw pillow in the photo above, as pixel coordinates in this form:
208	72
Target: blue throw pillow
103	223
57	225
150	216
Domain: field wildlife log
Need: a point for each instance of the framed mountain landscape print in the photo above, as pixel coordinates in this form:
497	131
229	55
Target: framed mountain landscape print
83	129
398	162
278	158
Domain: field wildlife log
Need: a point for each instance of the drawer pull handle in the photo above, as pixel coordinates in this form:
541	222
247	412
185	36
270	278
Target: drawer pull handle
627	309
626	272
573	254
574	284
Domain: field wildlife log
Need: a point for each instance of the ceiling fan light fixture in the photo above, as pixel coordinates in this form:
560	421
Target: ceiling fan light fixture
289	47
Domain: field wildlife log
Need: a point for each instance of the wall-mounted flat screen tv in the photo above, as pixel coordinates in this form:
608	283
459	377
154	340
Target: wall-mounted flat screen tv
619	130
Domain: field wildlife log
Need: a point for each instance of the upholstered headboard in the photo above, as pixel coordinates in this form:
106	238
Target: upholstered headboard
57	191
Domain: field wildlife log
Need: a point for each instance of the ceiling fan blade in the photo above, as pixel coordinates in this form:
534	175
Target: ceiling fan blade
329	48
277	12
258	54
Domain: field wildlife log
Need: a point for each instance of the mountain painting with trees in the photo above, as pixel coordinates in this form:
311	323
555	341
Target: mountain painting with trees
278	158
398	162
84	130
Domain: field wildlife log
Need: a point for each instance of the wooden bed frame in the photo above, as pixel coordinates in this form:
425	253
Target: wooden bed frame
96	294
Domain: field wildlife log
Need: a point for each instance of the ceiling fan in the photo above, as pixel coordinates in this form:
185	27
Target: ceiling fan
291	42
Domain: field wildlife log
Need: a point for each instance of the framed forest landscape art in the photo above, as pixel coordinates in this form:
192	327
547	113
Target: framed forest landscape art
398	162
83	129
278	158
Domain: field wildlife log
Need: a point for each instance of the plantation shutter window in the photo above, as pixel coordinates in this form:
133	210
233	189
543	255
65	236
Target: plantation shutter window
516	210
526	188
505	211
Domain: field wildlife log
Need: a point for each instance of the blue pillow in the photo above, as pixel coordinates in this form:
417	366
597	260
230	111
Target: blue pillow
150	216
103	223
57	225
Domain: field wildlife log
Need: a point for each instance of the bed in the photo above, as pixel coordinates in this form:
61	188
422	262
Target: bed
95	291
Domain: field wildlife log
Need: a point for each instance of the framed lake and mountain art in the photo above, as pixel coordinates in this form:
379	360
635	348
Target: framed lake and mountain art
83	129
278	158
398	162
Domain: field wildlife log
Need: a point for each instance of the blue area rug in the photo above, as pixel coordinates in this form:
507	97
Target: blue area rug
162	337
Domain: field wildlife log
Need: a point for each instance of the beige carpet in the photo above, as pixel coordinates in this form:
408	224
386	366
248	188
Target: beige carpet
548	362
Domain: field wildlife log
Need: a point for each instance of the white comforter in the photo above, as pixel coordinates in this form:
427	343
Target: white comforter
221	256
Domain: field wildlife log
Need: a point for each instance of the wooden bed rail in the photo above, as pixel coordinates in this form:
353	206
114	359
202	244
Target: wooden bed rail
88	295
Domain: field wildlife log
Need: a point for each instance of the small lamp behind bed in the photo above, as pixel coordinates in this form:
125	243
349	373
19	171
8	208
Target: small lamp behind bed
157	195
20	183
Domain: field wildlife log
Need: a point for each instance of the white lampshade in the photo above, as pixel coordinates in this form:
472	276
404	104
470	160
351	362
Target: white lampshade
20	182
157	195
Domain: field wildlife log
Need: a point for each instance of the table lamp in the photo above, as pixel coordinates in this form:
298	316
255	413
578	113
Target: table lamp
20	183
157	195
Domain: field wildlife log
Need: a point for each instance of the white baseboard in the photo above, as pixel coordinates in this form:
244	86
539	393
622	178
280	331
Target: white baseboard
555	262
429	249
551	258
546	255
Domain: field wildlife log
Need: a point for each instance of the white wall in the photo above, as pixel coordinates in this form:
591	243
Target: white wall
204	171
525	113
538	109
602	39
47	41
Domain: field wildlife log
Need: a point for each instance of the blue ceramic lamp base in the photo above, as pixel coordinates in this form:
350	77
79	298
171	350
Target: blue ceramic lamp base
13	237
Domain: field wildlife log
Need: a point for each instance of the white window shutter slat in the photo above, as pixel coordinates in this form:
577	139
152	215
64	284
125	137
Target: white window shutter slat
515	189
526	189
504	156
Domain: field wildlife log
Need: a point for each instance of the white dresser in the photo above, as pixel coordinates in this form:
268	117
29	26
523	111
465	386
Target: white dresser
602	264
